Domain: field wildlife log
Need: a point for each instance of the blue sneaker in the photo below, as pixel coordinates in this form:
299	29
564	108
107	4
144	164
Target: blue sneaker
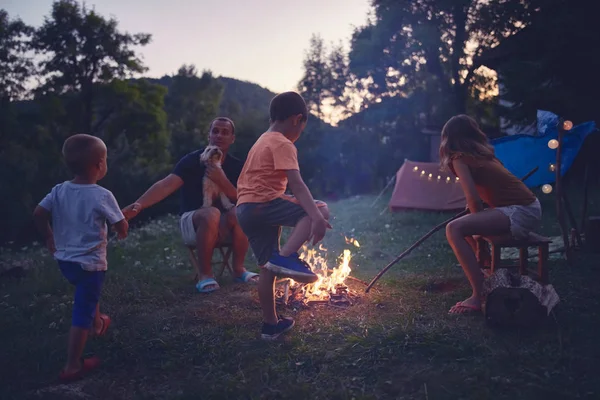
291	267
272	332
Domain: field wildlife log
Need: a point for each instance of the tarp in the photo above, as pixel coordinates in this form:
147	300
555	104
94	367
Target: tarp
421	185
521	153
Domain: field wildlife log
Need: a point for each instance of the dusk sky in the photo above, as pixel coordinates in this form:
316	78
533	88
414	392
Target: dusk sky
261	41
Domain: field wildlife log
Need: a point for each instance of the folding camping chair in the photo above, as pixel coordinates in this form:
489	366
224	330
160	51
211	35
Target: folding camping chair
225	249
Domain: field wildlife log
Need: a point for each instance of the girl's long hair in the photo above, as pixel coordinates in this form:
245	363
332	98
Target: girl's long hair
461	135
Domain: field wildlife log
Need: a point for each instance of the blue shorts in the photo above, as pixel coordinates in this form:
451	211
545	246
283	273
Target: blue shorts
262	222
88	285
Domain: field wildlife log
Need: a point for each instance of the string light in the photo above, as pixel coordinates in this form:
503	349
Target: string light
415	169
439	177
553	144
567	125
457	179
552	168
547	189
448	179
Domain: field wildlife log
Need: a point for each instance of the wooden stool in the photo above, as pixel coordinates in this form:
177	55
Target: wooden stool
534	240
225	249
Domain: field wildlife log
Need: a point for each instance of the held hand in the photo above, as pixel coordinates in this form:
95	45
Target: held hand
131	210
318	228
215	174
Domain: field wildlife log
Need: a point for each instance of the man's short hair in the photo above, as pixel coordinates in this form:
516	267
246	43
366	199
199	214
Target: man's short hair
287	104
223	119
80	152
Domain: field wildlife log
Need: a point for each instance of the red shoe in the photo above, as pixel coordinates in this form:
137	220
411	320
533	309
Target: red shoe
87	365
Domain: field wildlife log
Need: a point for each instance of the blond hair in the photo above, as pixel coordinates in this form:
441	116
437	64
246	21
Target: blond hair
461	135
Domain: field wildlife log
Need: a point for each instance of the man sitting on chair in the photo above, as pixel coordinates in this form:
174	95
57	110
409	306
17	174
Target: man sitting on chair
205	227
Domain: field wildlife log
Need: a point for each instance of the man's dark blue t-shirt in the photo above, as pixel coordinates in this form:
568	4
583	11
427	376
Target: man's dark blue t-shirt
191	171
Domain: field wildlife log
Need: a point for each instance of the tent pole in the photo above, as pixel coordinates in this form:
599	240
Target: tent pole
384	189
559	190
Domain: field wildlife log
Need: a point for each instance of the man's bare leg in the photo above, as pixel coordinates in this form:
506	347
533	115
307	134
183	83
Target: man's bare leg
206	224
240	244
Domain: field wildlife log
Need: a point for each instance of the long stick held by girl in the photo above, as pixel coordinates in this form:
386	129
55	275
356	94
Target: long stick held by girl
514	211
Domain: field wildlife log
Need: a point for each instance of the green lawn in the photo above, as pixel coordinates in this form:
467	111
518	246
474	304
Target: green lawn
398	342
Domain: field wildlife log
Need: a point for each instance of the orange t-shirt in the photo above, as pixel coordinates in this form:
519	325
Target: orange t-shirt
495	184
263	176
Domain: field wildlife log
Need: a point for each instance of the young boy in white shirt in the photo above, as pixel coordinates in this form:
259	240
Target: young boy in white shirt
77	238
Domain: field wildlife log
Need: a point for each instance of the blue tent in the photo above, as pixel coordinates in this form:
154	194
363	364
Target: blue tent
521	153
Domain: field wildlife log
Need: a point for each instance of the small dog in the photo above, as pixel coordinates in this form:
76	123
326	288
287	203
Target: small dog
210	190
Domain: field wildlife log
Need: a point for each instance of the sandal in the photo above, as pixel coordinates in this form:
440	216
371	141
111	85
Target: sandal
87	365
462	308
247	277
202	285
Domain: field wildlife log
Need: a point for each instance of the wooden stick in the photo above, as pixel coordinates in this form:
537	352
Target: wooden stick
424	238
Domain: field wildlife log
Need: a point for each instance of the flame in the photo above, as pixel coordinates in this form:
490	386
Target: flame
327	281
352	241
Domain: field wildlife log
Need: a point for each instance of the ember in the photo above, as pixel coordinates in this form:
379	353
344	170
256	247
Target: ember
329	289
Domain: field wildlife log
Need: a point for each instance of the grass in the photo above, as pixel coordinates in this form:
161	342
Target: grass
169	342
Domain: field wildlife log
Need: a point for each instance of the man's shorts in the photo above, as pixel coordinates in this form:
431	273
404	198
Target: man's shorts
88	285
523	219
188	232
262	222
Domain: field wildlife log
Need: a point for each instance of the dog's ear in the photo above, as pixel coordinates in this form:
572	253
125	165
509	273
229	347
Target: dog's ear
204	156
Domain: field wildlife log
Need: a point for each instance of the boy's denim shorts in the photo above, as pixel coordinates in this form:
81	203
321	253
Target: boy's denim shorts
88	285
262	222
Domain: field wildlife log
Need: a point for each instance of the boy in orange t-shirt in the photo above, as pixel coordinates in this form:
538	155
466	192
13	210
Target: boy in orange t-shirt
263	208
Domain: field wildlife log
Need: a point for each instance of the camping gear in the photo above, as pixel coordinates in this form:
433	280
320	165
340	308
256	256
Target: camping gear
427	235
421	185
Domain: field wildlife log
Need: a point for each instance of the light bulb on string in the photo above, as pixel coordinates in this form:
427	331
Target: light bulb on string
457	179
552	168
439	177
415	169
448	179
547	189
553	144
567	125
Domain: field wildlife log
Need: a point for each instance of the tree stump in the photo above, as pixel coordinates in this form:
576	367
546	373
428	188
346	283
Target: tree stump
514	300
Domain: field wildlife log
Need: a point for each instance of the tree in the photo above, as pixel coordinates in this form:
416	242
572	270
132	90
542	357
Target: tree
15	66
432	45
82	49
316	81
549	65
191	104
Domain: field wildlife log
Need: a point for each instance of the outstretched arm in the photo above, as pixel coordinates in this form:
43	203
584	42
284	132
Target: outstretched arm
41	217
156	193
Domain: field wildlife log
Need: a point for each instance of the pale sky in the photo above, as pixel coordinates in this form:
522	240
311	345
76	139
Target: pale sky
262	41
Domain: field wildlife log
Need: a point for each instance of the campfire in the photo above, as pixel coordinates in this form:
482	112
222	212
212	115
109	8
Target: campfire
330	288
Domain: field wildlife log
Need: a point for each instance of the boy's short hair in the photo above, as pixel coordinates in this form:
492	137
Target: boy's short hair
222	119
81	151
287	104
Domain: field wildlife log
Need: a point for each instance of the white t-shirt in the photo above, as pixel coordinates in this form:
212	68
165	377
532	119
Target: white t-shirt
79	215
